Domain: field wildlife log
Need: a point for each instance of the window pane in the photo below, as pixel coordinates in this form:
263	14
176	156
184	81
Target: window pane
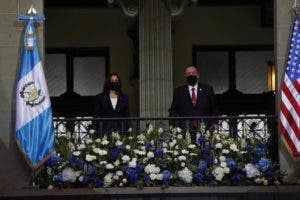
89	75
213	68
55	73
252	71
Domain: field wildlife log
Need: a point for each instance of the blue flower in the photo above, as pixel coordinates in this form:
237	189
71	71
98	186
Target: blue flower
263	145
146	178
202	166
138	168
121	149
76	161
133	176
115	154
92	170
166	175
210	177
201	139
162	138
259	151
85	179
98	182
199	177
205	149
230	163
54	160
159	152
264	164
248	148
268	175
148	146
234	178
209	160
58	178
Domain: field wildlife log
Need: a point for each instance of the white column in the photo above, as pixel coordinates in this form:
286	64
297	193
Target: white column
155	58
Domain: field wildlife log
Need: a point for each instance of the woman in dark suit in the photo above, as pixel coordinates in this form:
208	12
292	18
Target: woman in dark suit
111	103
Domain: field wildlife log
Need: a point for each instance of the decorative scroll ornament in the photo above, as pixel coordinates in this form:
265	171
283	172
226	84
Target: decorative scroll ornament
130	10
177	8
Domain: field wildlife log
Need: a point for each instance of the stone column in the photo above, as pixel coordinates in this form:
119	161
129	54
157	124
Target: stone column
155	58
283	27
14	171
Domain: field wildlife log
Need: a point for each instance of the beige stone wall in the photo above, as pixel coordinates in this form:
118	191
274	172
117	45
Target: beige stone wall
13	170
283	28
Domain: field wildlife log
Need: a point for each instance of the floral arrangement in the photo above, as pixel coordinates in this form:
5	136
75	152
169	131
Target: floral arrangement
159	158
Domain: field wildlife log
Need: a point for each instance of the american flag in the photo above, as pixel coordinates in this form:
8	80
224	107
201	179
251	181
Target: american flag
290	95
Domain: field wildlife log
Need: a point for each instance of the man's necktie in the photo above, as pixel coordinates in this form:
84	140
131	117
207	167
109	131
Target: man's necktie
194	98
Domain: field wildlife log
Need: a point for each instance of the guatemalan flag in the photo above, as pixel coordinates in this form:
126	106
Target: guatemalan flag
34	127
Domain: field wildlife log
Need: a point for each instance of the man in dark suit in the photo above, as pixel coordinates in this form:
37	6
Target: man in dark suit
193	100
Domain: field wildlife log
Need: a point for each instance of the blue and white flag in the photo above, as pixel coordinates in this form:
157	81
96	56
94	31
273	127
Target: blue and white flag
34	127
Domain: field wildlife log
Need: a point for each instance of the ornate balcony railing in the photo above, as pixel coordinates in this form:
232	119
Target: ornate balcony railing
239	127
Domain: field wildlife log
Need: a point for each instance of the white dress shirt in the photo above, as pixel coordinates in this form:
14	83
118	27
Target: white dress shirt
196	89
114	102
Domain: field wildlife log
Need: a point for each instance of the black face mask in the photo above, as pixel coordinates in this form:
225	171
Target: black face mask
191	80
114	86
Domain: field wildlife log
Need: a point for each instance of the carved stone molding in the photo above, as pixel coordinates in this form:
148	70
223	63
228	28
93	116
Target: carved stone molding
130	9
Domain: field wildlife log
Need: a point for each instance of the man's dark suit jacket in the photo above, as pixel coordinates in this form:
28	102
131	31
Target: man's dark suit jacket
205	105
104	109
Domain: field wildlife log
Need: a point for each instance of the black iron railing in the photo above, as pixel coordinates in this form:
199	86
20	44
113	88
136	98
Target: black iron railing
262	127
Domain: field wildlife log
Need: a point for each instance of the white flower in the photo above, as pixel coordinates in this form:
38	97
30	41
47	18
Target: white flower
96	150
88	141
185	175
216	161
105	142
181	158
175	153
218	173
150	129
115	135
132	164
121	185
130	130
164	145
68	175
176	147
92	131
109	166
117	163
81	147
150	154
145	160
50	187
193	154
128	147
78	173
160	130
125	159
184	151
152	177
251	170
159	177
233	147
191	146
141	137
178	130
119	173
152	169
223	164
76	153
116	177
226	170
124	180
98	140
179	136
90	158
225	151
103	162
102	152
222	158
119	143
182	164
49	170
219	146
266	182
108	179
258	180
